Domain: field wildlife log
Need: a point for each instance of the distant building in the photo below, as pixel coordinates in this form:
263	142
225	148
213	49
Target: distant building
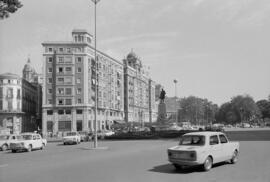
30	75
139	91
17	104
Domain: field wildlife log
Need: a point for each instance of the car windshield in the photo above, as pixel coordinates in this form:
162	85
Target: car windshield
71	134
4	137
192	140
26	137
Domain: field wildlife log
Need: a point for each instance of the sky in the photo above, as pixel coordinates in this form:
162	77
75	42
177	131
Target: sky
215	49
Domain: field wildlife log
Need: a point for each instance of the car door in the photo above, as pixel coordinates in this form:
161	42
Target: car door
215	148
39	141
226	150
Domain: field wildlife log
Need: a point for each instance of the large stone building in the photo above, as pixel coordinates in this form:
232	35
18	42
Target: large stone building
125	90
17	104
139	91
69	86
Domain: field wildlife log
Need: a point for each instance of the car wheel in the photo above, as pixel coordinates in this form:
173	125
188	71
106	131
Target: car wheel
43	146
4	147
13	151
178	167
29	149
234	157
207	164
64	143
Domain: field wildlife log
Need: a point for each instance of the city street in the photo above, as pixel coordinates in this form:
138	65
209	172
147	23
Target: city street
122	161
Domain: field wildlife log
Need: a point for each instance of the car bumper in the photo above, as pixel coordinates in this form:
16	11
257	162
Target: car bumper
18	148
184	162
69	141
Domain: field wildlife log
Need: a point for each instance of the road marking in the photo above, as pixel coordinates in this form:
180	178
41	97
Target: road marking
4	165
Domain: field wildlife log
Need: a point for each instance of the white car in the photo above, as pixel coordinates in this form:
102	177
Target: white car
203	148
72	138
5	141
28	142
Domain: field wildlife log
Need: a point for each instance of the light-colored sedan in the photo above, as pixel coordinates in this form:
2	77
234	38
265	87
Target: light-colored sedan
5	141
203	148
28	142
72	137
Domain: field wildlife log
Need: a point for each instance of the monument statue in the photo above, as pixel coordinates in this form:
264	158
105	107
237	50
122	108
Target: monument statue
162	95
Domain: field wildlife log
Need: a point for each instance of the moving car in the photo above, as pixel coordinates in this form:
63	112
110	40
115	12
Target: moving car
28	142
72	137
203	148
5	141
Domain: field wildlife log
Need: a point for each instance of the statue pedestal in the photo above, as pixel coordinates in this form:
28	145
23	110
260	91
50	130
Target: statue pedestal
162	114
162	121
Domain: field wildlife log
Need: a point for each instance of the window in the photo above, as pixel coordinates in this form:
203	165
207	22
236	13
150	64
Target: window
223	139
78	59
49	91
79	70
60	60
60	102
49	112
61	49
214	140
60	112
10	93
68	69
49	80
49	101
50	49
60	91
68	101
79	111
79	91
60	69
64	125
50	70
60	80
68	111
10	105
79	101
18	93
50	59
68	50
68	91
49	126
78	80
1	105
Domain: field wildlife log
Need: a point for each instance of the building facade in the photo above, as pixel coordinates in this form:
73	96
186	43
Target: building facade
17	104
69	86
139	91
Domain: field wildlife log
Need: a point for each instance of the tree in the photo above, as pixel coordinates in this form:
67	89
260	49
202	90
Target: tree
9	6
264	107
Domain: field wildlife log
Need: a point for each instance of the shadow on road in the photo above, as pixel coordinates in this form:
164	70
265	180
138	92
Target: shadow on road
170	169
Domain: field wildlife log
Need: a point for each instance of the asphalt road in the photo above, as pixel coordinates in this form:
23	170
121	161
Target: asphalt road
124	161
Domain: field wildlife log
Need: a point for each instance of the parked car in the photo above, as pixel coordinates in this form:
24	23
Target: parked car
72	138
5	141
84	136
108	133
219	128
203	148
28	142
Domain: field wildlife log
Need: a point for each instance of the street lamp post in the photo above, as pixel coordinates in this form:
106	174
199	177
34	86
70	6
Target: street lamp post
96	75
175	83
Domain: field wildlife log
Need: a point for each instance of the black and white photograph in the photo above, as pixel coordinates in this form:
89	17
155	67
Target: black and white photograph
134	90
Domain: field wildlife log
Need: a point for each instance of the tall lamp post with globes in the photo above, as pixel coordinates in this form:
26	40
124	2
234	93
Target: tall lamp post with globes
175	83
96	75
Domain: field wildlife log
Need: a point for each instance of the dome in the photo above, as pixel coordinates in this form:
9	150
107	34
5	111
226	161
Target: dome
28	67
133	59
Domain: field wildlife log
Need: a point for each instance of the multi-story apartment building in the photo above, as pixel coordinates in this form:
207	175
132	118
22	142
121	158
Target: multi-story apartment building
17	104
69	86
139	91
